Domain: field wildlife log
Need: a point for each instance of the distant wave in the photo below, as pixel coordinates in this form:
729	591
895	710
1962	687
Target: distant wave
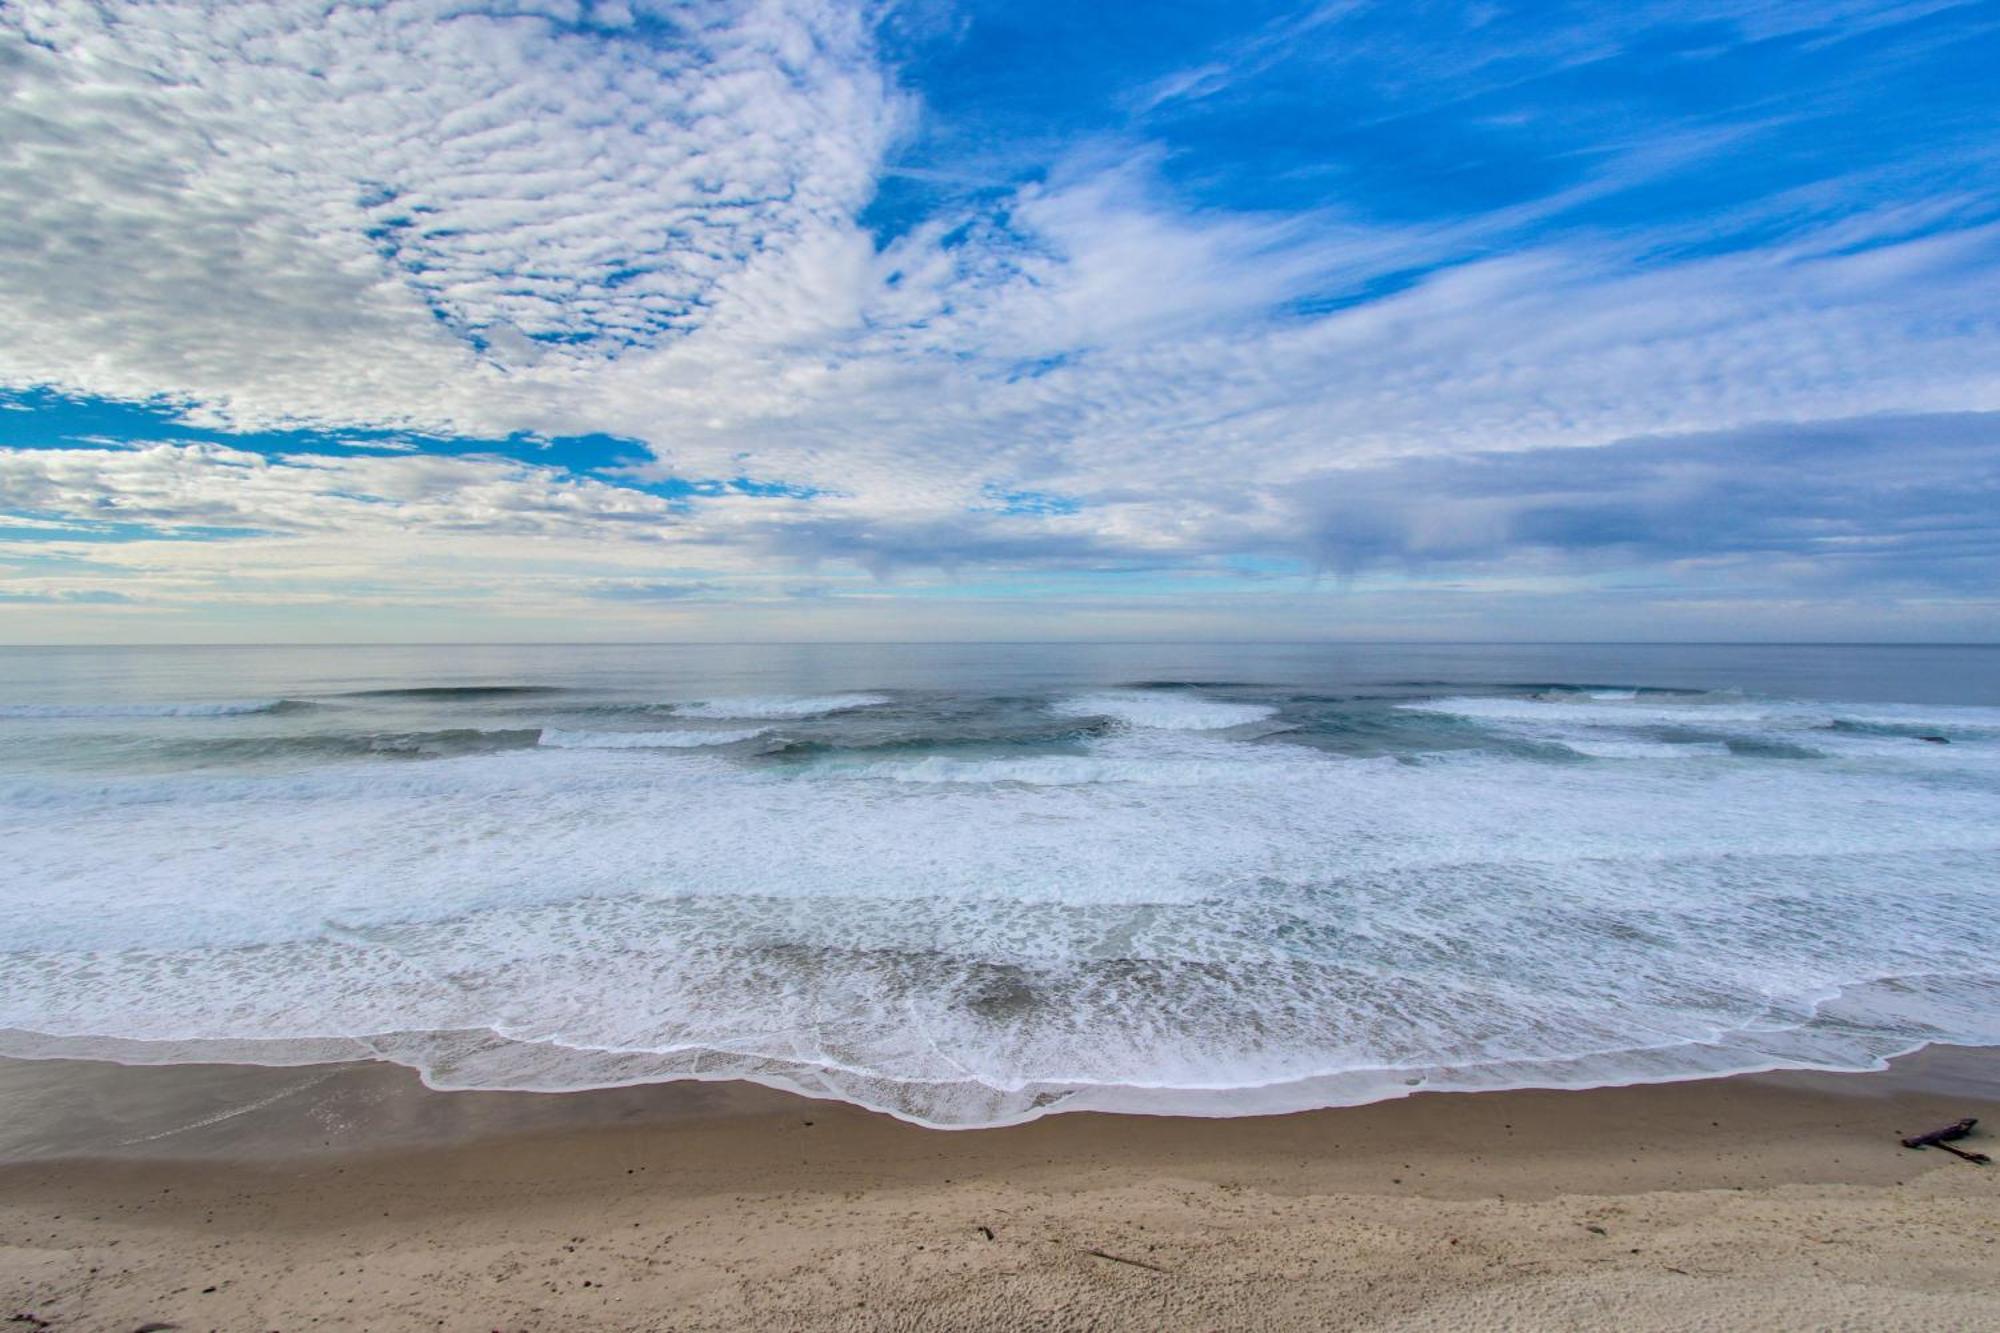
559	739
1603	724
1637	709
443	743
933	737
1167	712
1066	771
779	706
447	693
231	708
1555	687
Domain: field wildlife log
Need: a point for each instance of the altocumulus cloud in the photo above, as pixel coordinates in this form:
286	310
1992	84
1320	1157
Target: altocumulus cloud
979	293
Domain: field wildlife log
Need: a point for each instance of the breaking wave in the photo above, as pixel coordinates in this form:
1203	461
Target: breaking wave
779	706
114	711
644	740
1164	711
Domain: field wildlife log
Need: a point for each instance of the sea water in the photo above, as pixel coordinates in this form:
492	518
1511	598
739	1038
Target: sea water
972	884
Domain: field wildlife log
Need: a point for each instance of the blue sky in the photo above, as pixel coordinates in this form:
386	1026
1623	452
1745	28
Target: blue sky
801	319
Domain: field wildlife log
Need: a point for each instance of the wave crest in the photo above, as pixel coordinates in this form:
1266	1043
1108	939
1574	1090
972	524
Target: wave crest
225	708
558	739
1165	712
779	706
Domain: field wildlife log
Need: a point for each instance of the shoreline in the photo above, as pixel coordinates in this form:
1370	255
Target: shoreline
350	1196
70	1107
229	1070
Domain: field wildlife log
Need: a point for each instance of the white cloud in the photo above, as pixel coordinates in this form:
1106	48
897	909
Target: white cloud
285	210
171	486
565	217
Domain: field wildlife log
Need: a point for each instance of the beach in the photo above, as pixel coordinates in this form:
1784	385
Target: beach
1110	987
351	1197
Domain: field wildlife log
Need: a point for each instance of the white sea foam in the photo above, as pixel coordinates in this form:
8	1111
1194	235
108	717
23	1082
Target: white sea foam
1631	712
1699	710
645	740
779	706
1699	727
1604	748
1171	920
1140	760
1164	711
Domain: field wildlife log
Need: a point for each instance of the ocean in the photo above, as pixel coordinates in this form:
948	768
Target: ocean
973	884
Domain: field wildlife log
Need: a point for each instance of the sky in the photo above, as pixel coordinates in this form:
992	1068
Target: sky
442	320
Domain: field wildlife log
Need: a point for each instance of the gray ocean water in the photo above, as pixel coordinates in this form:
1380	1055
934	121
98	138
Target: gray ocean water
970	884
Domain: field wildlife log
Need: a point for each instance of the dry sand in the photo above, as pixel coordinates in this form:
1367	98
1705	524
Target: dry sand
349	1197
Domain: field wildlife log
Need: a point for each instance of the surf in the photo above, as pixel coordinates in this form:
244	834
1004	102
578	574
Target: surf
968	906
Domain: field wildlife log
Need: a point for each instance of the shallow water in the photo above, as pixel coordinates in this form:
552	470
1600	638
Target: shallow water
970	884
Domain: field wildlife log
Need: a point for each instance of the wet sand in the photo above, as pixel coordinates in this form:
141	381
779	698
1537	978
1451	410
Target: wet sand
351	1197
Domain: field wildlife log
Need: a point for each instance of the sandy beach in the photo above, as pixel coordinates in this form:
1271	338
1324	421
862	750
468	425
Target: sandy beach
350	1197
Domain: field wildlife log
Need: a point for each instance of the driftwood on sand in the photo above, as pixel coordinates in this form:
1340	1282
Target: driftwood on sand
1942	1138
